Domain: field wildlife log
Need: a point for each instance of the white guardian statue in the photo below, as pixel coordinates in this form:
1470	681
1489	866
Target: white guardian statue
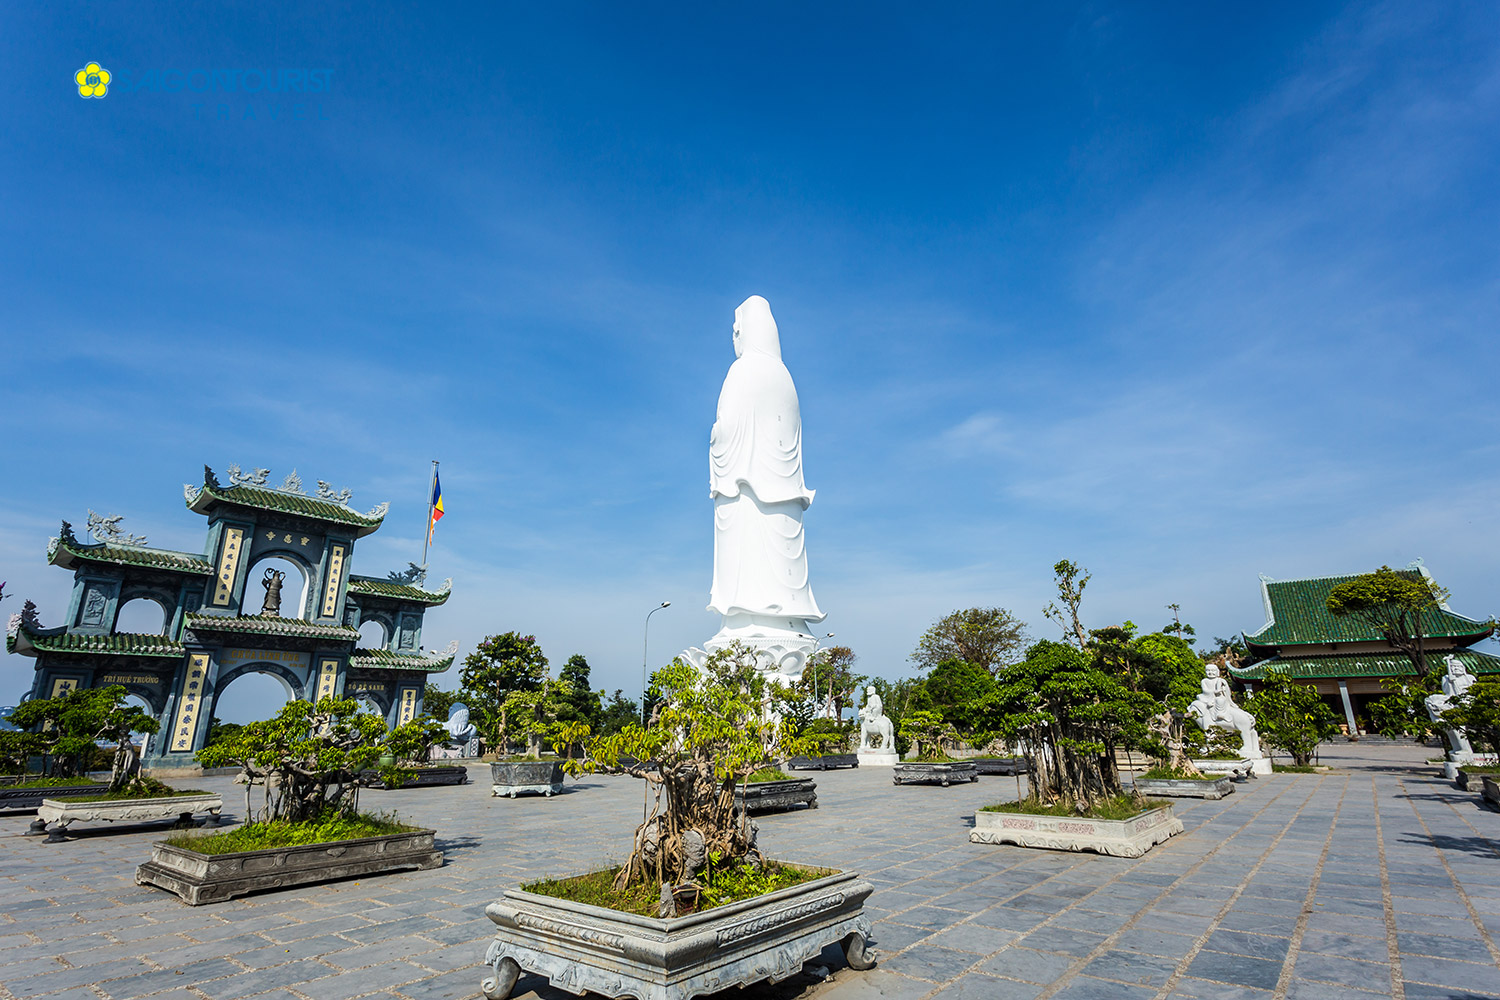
760	582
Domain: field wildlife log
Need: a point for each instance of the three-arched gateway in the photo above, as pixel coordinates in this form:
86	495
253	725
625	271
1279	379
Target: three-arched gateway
224	621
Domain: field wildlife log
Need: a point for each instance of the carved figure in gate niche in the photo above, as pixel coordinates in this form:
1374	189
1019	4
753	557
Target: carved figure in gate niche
271	607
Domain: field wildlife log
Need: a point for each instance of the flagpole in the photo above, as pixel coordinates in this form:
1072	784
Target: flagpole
427	531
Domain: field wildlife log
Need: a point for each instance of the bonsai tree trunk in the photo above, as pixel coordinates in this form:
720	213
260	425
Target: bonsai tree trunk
126	768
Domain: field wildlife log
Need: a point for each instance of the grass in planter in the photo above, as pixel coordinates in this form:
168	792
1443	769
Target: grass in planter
280	833
53	783
1479	768
769	774
1119	807
1296	769
1175	774
643	899
145	788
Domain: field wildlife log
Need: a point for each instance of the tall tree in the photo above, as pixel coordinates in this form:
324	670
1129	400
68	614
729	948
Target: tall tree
499	665
955	688
832	679
1070	579
581	703
1393	605
985	637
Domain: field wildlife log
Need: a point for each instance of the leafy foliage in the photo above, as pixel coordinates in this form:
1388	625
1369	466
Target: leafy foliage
908	694
580	702
832	679
1070	579
931	732
1393	605
1172	670
1069	711
308	758
1291	716
1403	711
499	665
1477	713
985	637
331	826
710	730
617	713
438	703
955	687
72	725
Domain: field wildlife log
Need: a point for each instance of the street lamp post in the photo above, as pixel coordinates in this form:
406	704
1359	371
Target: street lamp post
645	646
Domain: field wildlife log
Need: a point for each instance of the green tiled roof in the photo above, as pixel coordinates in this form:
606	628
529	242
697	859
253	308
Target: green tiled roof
119	644
65	550
264	498
369	586
1299	614
384	659
1364	665
269	625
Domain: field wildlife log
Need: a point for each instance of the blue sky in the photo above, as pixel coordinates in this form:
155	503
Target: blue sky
1183	293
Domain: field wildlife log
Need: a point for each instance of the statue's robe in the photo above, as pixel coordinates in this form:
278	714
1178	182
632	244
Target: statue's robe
755	480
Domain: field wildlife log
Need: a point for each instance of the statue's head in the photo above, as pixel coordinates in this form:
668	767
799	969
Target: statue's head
755	329
1456	666
459	713
870	691
1211	671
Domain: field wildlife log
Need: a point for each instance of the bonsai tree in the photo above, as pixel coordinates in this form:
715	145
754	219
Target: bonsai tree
711	729
930	733
17	747
411	745
1393	604
1477	713
308	758
1069	712
71	727
1291	717
499	665
533	716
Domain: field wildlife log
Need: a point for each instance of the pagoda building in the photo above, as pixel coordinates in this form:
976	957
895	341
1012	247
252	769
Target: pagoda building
223	619
1344	658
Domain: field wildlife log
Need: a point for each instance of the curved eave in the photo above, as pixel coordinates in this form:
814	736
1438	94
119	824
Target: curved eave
67	555
264	499
424	664
31	643
382	590
285	628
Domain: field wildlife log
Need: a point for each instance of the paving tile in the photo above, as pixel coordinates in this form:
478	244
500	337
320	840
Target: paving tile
1063	939
1347	946
1236	970
935	964
1331	969
1307	989
1132	967
976	986
1442	972
1244	943
890	937
976	938
1008	919
1089	988
1032	966
1152	942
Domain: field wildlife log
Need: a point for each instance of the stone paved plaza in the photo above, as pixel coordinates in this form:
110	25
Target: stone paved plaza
1374	880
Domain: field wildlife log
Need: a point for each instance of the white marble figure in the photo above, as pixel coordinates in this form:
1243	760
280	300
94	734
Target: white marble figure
760	582
1215	708
873	722
1456	682
463	736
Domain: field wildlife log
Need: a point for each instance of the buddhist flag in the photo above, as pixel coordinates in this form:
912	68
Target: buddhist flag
435	507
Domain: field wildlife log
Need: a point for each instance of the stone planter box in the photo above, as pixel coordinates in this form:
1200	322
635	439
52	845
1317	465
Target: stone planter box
62	812
1123	838
763	796
1243	767
1001	765
824	763
914	773
424	777
30	798
589	948
1185	788
212	878
1491	791
513	777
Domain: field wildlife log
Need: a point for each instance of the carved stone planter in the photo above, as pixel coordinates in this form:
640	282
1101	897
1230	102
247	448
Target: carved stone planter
1243	767
827	762
916	773
589	948
1185	788
212	878
1471	781
1123	838
423	777
30	798
1491	791
62	812
763	796
1001	765
513	777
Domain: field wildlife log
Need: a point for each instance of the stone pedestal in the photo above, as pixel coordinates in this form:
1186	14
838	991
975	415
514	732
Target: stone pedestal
878	758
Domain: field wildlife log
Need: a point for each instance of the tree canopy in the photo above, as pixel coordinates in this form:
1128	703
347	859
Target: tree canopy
1392	604
499	665
985	637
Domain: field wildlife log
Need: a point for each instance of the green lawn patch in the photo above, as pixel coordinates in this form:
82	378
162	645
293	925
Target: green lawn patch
279	833
1174	774
1296	769
1119	807
1479	768
644	899
769	774
144	788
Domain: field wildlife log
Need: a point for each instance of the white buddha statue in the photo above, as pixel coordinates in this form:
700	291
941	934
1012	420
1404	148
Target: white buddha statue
760	582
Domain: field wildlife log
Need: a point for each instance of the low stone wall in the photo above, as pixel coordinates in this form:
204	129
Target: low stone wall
915	773
765	796
1124	838
1197	788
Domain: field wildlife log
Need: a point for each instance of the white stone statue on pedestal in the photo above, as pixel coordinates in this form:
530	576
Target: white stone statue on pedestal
875	728
1456	682
1214	708
463	736
760	582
